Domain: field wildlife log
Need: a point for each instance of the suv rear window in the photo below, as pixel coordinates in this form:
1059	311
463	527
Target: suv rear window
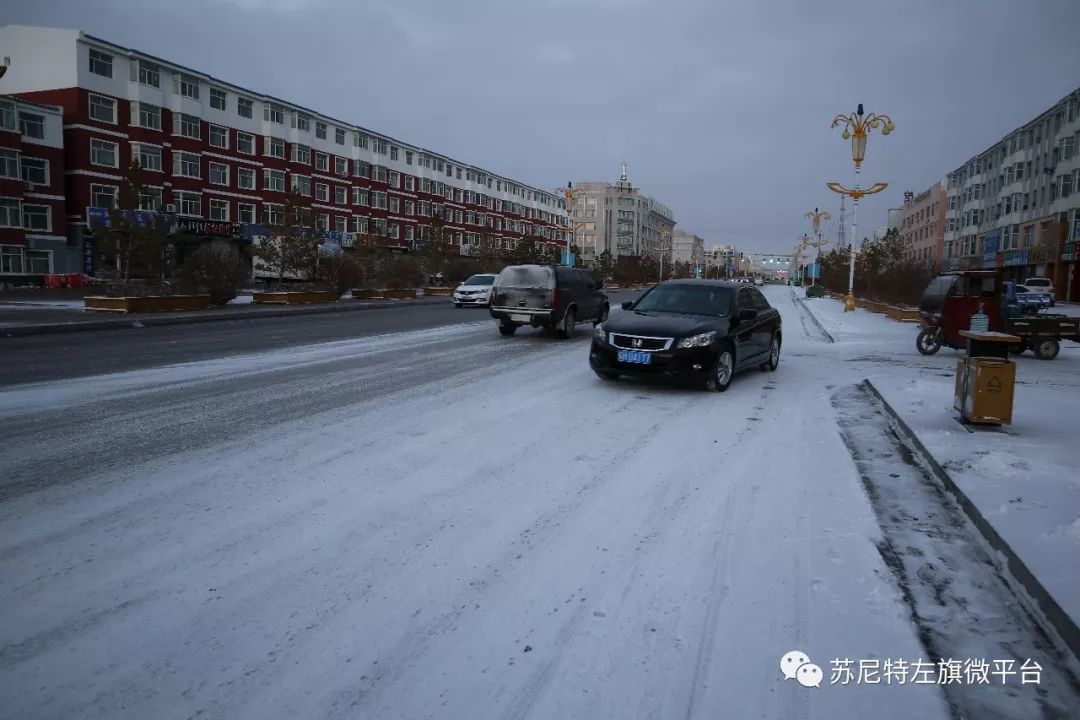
1037	282
525	276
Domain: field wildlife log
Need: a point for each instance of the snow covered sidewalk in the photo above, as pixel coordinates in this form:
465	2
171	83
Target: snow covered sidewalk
1023	481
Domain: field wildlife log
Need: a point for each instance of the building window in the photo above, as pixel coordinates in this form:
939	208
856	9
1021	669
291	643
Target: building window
150	199
409	233
359	196
362	169
189	86
410	183
187	125
395	205
274	180
11	256
219	210
360	140
341	195
149	116
410	208
275	147
393	152
217	99
320	130
245	178
394	179
301	185
103	196
103	152
188	203
245	107
245	143
408	157
300	121
379	146
7	115
359	224
103	109
149	157
322	192
378	200
272	214
322	221
38	262
381	174
35	171
37	218
219	173
301	154
339	136
219	136
322	162
100	63
9	213
341	166
186	165
392	230
148	73
32	125
245	213
272	112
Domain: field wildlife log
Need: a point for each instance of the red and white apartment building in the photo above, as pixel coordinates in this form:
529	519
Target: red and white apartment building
922	226
33	232
220	156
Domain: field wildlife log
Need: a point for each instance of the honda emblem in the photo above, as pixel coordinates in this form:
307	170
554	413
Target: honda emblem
637	342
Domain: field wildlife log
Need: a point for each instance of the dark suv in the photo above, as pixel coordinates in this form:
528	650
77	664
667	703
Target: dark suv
698	329
548	296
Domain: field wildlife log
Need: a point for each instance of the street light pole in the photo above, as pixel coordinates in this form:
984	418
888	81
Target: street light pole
856	128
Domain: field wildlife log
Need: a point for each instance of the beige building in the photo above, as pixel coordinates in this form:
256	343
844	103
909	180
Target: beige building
922	226
686	247
619	219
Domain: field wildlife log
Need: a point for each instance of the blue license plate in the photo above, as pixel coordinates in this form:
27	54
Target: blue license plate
635	356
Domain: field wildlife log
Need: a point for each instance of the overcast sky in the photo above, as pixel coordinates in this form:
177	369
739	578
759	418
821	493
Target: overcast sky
721	109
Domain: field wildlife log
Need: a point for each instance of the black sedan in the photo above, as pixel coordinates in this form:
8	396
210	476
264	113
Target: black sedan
702	330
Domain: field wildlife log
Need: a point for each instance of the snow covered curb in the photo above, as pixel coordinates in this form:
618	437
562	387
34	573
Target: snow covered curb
1062	623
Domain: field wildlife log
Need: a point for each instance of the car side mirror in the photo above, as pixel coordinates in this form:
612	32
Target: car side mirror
628	305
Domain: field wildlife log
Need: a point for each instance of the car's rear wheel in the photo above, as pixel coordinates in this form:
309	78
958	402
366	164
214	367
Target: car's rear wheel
1047	349
507	328
774	356
722	372
569	324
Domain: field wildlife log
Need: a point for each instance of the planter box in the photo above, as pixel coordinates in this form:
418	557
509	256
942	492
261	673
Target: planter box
409	294
367	294
150	303
908	315
439	291
302	297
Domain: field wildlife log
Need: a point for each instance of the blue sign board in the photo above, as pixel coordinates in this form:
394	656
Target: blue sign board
1016	258
88	254
990	250
568	258
99	217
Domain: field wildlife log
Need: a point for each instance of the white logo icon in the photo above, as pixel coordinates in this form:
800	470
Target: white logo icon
790	663
809	675
796	665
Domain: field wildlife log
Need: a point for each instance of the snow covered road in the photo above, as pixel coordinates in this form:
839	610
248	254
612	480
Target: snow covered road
440	524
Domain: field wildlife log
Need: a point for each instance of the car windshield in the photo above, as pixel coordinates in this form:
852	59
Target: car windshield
1036	282
480	280
687	300
526	276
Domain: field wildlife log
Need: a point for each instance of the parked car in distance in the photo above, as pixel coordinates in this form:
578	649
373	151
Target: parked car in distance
475	291
701	330
1041	284
548	296
1031	300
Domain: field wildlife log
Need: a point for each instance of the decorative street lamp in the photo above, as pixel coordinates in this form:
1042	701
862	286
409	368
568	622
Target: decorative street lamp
569	193
661	231
856	128
815	219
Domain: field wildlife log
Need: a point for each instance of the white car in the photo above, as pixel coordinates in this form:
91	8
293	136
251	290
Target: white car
1041	285
474	291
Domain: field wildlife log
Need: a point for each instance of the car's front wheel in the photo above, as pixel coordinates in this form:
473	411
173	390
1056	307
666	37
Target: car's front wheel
774	356
1047	349
722	372
607	374
602	315
507	328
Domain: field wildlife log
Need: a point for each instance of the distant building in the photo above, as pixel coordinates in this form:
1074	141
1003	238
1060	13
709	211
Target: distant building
686	247
922	226
620	220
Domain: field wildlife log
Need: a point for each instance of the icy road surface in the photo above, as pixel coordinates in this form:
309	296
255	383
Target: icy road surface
440	524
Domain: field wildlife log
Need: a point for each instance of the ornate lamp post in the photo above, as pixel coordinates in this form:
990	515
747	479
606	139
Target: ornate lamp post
569	193
817	243
856	128
661	232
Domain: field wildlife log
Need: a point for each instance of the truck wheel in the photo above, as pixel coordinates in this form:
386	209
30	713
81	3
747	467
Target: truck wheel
929	341
507	328
1047	349
568	325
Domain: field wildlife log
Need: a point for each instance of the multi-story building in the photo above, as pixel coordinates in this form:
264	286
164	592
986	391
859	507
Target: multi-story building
620	220
686	247
922	226
220	156
1015	204
33	240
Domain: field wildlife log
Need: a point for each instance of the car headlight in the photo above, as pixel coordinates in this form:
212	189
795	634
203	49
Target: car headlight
599	334
698	340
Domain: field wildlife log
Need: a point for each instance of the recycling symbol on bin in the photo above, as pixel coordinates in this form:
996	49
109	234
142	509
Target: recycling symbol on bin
994	384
